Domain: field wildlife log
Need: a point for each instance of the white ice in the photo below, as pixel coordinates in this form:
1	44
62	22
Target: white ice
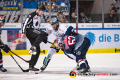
60	67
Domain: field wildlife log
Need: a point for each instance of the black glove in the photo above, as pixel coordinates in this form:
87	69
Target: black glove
45	40
6	48
74	33
1	46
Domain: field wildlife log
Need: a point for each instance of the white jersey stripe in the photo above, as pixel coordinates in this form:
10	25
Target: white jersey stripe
25	24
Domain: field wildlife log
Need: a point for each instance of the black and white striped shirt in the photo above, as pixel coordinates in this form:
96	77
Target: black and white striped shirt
33	21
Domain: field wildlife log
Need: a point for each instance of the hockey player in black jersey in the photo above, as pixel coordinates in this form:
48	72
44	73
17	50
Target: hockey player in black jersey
31	29
4	47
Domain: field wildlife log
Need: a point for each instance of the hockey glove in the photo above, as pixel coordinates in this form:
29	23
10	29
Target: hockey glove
60	46
74	33
1	46
45	40
6	48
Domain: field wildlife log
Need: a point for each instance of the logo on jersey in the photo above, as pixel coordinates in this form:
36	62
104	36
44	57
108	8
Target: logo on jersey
72	74
1	18
66	44
78	52
36	18
91	37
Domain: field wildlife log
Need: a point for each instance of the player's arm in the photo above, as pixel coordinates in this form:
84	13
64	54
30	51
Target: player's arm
70	31
27	22
60	46
74	33
1	45
48	31
4	47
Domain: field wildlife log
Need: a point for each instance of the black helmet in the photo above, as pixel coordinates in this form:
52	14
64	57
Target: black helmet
41	7
54	21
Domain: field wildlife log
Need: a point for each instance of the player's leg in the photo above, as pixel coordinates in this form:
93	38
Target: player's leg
85	48
38	36
71	56
47	58
49	55
41	36
34	59
1	63
32	36
80	56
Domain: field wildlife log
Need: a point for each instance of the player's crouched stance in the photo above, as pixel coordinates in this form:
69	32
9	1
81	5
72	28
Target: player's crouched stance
75	47
4	47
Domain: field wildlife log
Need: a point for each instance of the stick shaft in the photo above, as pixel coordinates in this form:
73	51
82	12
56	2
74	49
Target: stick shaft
17	63
19	57
75	68
50	42
15	54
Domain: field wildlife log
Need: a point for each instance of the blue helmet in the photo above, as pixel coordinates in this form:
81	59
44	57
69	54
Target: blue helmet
2	19
54	21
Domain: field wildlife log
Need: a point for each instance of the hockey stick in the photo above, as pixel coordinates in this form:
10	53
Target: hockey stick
50	42
53	44
76	25
16	54
74	68
19	65
19	57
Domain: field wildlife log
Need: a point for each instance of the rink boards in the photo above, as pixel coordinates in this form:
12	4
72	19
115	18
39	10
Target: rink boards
103	40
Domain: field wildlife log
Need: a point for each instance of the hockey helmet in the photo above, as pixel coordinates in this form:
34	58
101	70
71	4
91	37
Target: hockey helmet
41	7
54	21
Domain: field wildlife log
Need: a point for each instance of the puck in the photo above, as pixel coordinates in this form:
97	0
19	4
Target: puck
36	73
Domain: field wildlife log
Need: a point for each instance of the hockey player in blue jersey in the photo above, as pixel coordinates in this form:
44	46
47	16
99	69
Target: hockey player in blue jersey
58	30
75	47
4	47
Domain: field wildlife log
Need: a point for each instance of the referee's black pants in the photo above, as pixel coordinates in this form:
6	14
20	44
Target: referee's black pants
35	38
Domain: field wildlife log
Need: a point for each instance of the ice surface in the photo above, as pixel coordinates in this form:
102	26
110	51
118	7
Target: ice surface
60	67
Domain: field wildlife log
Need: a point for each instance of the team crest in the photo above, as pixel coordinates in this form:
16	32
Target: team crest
53	5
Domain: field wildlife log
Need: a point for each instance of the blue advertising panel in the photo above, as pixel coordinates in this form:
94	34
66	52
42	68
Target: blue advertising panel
62	4
9	5
13	5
